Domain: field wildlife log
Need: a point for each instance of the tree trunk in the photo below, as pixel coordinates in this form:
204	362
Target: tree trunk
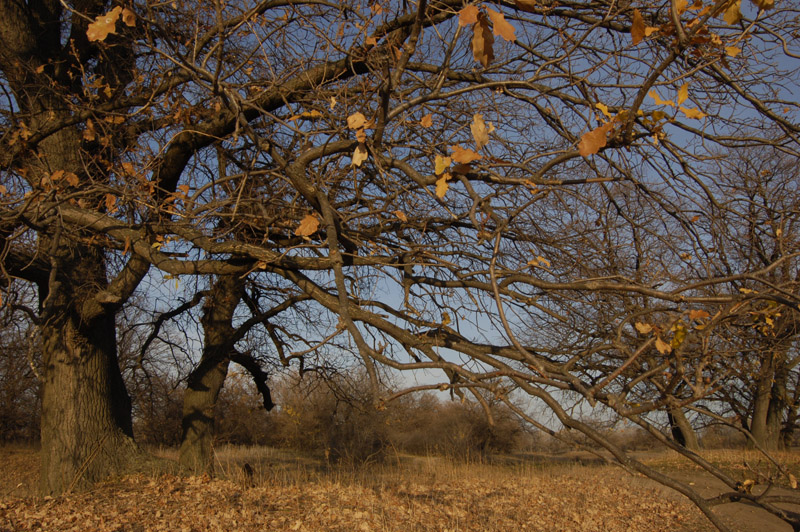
207	380
682	430
86	411
765	425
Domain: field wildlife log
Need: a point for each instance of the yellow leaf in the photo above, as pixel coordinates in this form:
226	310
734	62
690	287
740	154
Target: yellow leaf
479	132
482	41
680	335
733	51
654	95
401	216
333	103
693	113
603	108
747	291
441	164
103	25
128	17
643	328
308	226
360	155
637	28
792	481
663	347
683	93
356	120
539	261
682	6
464	156
501	27
442	186
733	13
649	30
427	120
764	4
468	15
595	139
445	319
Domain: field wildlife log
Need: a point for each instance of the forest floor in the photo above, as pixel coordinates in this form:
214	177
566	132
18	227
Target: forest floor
570	492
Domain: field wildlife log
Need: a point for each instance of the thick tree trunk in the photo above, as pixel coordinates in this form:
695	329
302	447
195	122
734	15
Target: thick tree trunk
768	406
86	411
207	380
682	430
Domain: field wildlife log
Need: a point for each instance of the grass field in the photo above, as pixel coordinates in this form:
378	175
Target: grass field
290	492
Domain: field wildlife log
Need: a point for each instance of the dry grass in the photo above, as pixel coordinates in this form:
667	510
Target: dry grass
288	492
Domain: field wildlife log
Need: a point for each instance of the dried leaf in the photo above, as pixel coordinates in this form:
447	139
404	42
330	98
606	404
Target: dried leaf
462	169
526	5
603	108
89	134
682	6
479	131
649	30
427	120
638	27
732	51
482	41
698	314
360	155
680	335
663	347
595	139
693	113
442	186
683	93
103	25
539	261
401	216
308	226
464	156
356	120
764	4
733	13
643	328
72	179
333	103
792	481
111	203
468	15
501	26
441	164
128	17
654	95
445	319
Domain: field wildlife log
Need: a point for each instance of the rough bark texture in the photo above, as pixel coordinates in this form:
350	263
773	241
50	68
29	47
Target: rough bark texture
86	411
682	430
768	406
205	382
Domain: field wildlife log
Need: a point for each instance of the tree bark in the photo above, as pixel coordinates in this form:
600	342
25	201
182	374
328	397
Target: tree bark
86	411
205	382
682	430
768	406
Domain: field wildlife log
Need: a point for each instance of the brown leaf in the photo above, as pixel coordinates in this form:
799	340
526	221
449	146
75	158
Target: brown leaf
479	131
526	5
643	328
764	4
663	347
72	179
401	216
482	41
356	120
638	27
733	13
308	226
360	155
468	15
464	156
128	17
732	51
501	26
427	120
595	139
111	203
698	314
103	25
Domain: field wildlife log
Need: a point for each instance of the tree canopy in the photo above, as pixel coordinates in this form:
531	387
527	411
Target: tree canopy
554	199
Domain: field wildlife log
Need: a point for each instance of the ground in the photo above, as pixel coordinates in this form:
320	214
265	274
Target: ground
287	492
